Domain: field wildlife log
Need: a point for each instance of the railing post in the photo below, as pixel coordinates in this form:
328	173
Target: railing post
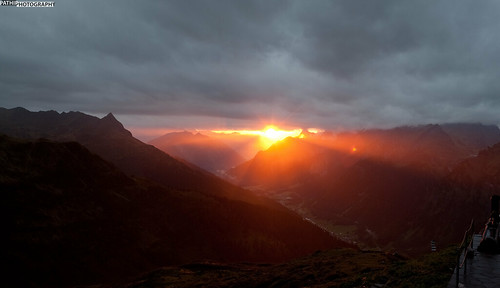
467	242
458	268
465	260
472	240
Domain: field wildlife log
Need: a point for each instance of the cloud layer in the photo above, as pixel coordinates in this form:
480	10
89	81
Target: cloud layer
236	64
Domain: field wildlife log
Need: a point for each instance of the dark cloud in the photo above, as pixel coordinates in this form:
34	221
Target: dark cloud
352	64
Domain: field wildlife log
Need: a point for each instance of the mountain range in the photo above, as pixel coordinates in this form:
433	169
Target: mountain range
88	204
109	139
415	175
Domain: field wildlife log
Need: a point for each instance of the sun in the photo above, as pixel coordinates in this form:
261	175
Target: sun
268	136
273	134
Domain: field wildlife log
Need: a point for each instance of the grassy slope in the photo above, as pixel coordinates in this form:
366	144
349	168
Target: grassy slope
335	268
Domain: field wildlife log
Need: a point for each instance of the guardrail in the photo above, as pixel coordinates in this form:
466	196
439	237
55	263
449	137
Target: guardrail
466	247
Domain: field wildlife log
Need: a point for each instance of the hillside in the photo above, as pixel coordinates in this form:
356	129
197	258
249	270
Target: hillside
204	151
343	268
109	139
74	219
285	163
483	170
392	189
427	148
473	136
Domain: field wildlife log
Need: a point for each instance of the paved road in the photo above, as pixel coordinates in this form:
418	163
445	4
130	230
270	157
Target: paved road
483	271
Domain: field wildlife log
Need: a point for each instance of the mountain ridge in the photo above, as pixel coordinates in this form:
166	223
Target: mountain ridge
405	172
74	219
117	145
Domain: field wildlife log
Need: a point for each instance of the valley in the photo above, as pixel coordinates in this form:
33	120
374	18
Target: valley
80	189
407	172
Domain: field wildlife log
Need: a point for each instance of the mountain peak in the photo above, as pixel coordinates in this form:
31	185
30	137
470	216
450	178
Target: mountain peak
109	117
108	125
110	121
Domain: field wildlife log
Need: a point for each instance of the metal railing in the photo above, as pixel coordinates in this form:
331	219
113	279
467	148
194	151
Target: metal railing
466	247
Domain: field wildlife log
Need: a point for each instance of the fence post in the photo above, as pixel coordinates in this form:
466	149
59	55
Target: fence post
467	242
472	240
465	260
458	268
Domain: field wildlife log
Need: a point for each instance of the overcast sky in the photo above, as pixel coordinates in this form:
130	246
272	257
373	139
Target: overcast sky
237	64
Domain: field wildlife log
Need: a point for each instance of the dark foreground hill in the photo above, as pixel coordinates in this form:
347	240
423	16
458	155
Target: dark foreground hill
71	218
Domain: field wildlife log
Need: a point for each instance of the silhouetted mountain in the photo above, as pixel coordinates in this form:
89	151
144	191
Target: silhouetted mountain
285	163
391	185
473	136
481	171
388	204
201	150
108	138
72	219
428	147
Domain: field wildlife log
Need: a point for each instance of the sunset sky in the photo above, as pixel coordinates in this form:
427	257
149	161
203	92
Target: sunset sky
246	64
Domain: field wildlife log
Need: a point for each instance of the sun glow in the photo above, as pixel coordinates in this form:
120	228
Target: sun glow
315	130
274	134
269	135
